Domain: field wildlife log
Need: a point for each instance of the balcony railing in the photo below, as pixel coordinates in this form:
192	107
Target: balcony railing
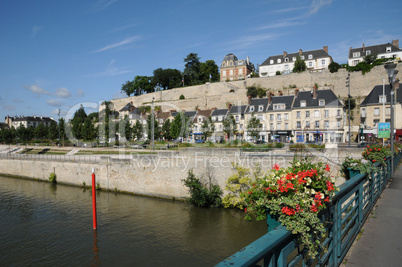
344	219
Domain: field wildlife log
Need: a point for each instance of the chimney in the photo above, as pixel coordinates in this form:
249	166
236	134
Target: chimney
364	48
325	49
229	106
314	92
270	98
280	93
296	92
249	99
248	60
285	53
300	52
396	43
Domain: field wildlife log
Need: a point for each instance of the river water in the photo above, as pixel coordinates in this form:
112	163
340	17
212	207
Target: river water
51	225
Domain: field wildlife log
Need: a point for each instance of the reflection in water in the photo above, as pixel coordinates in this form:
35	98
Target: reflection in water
52	226
95	261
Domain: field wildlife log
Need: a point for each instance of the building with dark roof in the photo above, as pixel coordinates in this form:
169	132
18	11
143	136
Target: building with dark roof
279	117
27	121
316	60
376	108
388	50
233	69
238	113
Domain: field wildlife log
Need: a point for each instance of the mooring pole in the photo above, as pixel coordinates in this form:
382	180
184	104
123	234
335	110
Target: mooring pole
93	199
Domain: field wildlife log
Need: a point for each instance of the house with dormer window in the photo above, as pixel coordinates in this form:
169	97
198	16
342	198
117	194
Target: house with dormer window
316	60
318	116
376	108
257	107
279	114
357	55
217	117
238	113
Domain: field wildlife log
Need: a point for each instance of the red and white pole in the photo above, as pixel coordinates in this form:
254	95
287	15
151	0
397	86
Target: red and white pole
93	199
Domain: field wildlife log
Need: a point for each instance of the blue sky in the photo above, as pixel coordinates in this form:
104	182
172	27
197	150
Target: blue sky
57	54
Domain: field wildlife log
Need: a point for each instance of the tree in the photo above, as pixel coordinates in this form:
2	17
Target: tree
252	91
166	130
229	126
53	131
167	78
192	69
180	126
209	69
8	135
128	88
77	122
253	126
40	131
142	84
24	134
207	128
62	129
88	130
137	130
334	67
370	59
300	65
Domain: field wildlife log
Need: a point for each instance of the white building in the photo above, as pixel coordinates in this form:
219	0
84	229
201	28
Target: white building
357	55
316	60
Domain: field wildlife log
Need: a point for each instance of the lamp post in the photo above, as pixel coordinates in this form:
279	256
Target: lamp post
348	85
391	72
59	128
153	125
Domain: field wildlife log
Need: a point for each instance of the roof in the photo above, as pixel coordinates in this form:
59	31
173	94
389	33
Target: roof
219	112
163	115
320	53
229	57
127	107
189	114
256	102
374	50
377	91
287	100
202	113
328	95
238	109
32	119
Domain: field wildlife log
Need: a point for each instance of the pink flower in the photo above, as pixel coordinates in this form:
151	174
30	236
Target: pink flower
276	167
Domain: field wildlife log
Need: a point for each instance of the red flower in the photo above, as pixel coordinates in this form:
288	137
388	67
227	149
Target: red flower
326	199
314	208
373	160
276	167
327	168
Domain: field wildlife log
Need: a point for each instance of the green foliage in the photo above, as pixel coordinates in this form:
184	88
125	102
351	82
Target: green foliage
253	126
166	130
278	72
52	177
180	126
201	195
376	153
229	126
137	130
334	67
256	90
182	97
362	166
167	78
300	65
207	128
237	185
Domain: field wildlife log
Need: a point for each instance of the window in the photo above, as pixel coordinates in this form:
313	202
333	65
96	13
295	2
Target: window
271	61
237	118
286	116
317	124
231	72
307	114
388	49
240	62
326	113
278	117
241	71
220	118
302	103
286	59
271	117
321	102
338	124
271	126
323	62
316	113
356	54
382	99
294	59
368	52
310	56
307	125
298	124
200	119
260	108
302	57
279	106
213	119
363	113
279	126
251	108
298	115
241	126
279	60
224	73
388	111
310	64
355	62
286	126
338	113
376	111
326	124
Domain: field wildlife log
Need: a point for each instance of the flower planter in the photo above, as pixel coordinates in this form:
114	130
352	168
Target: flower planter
351	173
272	222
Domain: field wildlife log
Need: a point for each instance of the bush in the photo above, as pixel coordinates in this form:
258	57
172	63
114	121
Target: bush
52	178
182	97
202	196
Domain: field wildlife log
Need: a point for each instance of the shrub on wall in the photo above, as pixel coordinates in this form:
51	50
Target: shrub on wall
52	177
201	195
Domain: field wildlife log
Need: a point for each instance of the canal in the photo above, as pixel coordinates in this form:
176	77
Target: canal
51	225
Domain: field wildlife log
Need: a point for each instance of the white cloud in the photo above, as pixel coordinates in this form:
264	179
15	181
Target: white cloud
126	41
111	71
54	102
317	5
63	93
281	24
37	90
81	93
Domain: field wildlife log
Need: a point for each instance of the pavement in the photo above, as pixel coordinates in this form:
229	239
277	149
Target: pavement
380	242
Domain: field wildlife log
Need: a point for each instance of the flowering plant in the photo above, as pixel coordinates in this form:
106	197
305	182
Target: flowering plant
360	165
294	195
376	153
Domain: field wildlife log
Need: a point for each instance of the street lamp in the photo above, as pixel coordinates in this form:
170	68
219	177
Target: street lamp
153	125
59	128
348	86
391	72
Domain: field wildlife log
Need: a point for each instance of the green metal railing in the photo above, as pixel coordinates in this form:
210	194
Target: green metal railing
343	219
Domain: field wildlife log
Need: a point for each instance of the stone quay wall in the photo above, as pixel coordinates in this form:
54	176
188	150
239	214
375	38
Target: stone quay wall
162	174
219	94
